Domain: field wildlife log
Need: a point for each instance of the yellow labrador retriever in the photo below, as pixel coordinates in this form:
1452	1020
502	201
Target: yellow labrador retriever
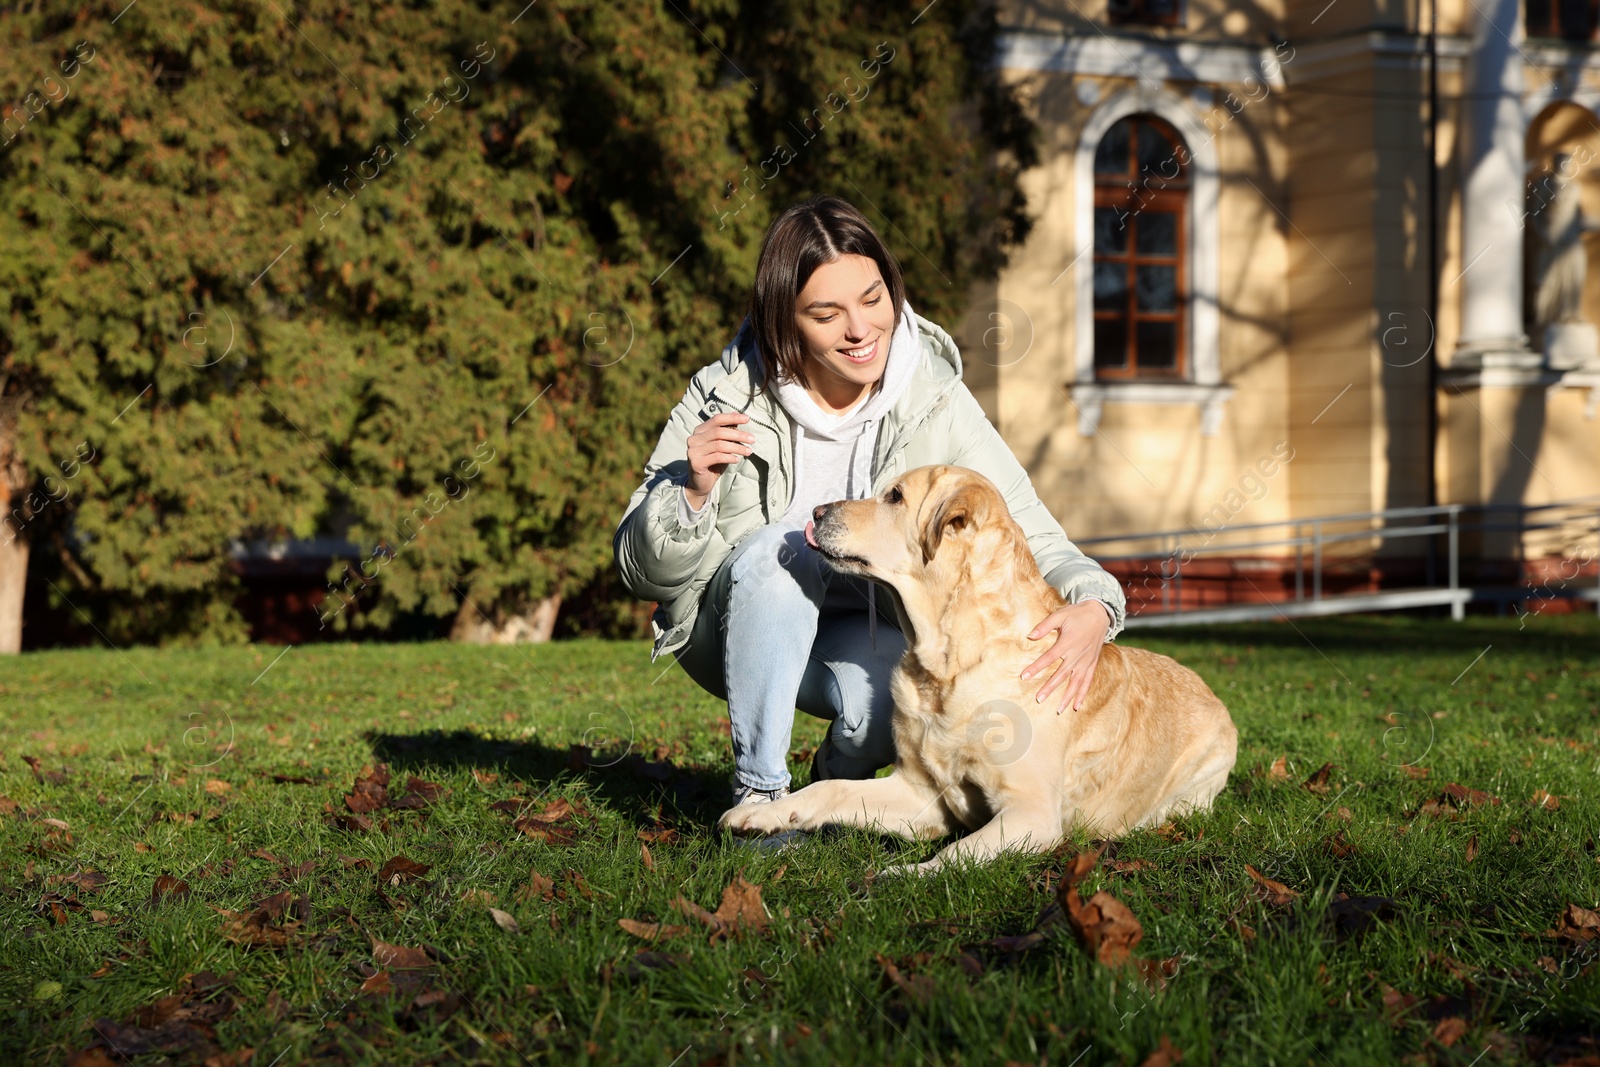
974	750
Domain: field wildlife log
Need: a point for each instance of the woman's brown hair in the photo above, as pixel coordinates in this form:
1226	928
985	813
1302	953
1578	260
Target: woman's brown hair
803	238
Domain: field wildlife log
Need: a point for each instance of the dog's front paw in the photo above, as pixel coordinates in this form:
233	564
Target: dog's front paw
757	818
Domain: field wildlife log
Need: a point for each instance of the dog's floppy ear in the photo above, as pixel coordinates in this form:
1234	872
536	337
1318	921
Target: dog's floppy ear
962	508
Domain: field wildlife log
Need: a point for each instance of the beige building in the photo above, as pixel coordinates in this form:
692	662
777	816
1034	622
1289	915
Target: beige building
1296	260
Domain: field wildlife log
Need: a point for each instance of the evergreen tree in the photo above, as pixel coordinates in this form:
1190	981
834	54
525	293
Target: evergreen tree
428	277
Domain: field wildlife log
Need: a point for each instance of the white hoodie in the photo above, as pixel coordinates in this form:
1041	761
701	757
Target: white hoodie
833	453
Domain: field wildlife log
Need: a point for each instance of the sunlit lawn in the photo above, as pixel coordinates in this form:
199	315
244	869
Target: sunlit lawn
184	868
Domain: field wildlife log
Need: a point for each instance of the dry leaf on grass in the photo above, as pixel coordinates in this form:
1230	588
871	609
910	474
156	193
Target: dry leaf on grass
168	886
1414	772
253	929
1165	1055
370	791
1472	848
648	860
1279	771
217	787
1577	924
86	881
538	888
919	988
1275	893
1449	1030
1542	799
399	957
741	910
481	898
401	869
1318	782
661	835
1105	926
1128	866
651	931
505	921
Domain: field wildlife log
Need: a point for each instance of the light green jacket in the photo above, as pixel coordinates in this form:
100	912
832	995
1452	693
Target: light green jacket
936	420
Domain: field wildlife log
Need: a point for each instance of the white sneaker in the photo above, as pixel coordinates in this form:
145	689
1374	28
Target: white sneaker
744	794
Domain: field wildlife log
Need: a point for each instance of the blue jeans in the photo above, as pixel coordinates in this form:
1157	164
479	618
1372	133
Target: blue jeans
779	629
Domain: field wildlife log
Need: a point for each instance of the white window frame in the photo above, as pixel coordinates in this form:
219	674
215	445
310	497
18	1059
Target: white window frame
1203	383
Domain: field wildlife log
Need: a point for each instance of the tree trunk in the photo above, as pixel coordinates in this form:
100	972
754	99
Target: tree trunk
533	626
13	583
13	544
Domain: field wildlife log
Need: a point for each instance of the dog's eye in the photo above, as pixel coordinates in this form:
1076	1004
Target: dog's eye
894	495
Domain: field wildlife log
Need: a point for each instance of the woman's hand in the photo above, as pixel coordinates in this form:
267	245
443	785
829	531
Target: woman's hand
1082	629
712	446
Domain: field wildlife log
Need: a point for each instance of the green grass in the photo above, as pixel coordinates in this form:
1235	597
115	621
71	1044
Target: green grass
140	733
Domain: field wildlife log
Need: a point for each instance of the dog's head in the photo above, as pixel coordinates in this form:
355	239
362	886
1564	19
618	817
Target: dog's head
927	520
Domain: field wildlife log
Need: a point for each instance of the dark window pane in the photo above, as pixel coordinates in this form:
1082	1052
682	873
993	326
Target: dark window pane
1155	154
1576	21
1110	286
1110	343
1538	16
1157	288
1111	231
1158	345
1111	157
1158	233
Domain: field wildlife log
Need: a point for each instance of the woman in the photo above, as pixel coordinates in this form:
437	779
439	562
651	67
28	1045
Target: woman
831	389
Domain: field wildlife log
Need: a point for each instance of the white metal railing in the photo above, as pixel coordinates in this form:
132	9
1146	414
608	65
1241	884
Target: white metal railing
1503	533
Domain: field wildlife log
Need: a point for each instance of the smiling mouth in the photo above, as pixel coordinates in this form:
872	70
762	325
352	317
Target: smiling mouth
864	354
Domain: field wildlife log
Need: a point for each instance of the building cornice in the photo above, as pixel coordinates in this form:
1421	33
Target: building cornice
1113	54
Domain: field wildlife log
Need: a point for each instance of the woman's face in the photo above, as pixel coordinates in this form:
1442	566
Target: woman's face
846	321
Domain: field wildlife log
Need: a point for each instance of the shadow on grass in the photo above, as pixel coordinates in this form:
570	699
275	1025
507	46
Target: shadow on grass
627	781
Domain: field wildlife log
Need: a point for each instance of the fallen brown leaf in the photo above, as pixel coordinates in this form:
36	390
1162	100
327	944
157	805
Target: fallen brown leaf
651	931
1275	893
399	957
86	881
1449	1030
1542	799
919	988
1577	924
378	985
1472	848
401	869
505	921
659	836
1165	1055
1129	866
167	886
1414	772
1279	770
217	787
370	791
1105	926
1464	797
647	859
1318	782
538	888
541	830
479	897
741	904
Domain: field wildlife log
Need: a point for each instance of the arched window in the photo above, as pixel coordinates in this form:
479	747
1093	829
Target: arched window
1141	282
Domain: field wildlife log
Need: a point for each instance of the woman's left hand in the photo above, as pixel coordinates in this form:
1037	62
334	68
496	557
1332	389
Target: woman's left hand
1081	633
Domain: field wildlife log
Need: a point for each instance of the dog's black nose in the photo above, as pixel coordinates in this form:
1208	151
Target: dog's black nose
819	512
